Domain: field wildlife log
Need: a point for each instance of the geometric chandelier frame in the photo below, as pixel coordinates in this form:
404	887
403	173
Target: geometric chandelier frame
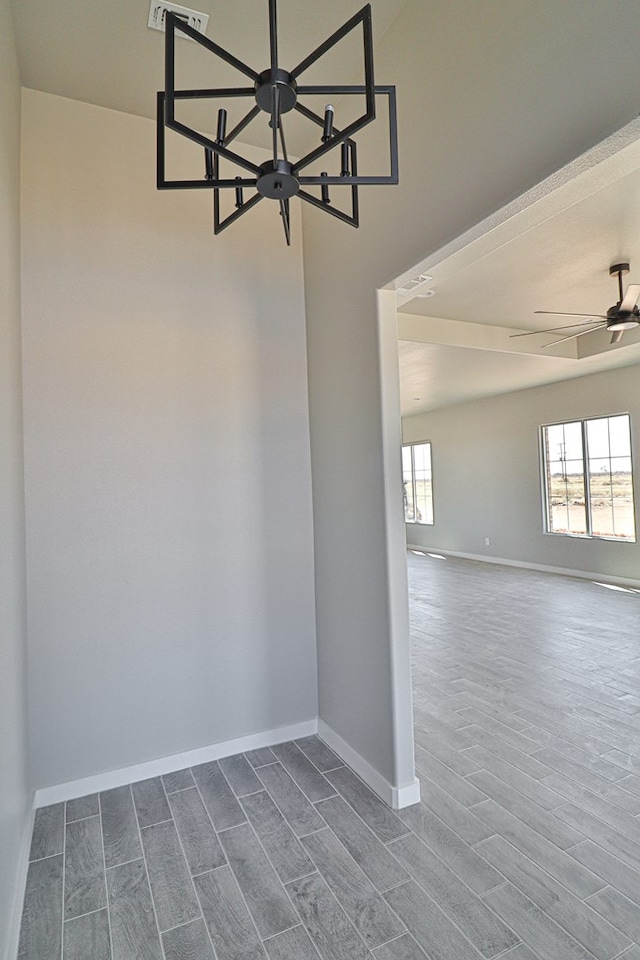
276	92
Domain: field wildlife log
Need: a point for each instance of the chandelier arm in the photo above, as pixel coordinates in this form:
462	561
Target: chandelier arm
175	23
205	184
216	147
334	89
275	120
320	151
317	119
273	38
220	225
309	198
283	144
162	183
345	136
355	205
286	222
363	16
393	133
215	160
353	158
350	181
213	93
239	127
160	150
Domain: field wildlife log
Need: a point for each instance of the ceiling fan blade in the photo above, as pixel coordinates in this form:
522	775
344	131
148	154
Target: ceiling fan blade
616	336
565	326
556	313
631	297
572	336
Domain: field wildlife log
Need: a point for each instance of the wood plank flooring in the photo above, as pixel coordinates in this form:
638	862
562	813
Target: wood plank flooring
526	845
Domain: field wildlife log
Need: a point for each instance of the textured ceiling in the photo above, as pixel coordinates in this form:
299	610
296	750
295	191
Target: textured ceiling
104	53
553	255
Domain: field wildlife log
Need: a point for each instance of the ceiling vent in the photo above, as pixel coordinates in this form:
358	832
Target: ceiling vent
411	286
158	15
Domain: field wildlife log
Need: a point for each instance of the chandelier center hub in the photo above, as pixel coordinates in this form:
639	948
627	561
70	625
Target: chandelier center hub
277	182
287	90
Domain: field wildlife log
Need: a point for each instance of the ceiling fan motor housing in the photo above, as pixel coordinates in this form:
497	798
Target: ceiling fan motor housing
617	318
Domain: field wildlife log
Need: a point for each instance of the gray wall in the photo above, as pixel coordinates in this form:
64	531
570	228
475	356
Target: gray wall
492	98
15	797
169	525
487	473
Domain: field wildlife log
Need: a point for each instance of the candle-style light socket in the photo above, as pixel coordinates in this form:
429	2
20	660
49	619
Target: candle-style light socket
239	196
325	189
208	164
344	159
327	129
222	125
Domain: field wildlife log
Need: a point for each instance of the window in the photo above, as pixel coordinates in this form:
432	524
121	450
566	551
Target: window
417	483
588	478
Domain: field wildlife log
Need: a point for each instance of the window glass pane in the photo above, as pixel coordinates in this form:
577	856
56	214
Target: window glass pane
621	465
555	438
573	441
407	484
558	516
598	437
423	482
601	497
566	503
610	477
622	498
568	513
600	466
619	436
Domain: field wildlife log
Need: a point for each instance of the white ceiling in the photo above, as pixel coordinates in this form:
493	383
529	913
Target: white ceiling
104	53
551	254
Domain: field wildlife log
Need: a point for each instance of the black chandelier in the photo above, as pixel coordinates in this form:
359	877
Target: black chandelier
275	92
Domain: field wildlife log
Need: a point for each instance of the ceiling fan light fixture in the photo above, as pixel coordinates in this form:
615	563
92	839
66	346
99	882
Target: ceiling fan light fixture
624	324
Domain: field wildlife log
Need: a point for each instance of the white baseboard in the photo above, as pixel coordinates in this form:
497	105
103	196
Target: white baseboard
525	565
13	934
154	768
395	797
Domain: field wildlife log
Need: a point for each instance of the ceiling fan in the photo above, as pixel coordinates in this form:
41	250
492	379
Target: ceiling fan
623	315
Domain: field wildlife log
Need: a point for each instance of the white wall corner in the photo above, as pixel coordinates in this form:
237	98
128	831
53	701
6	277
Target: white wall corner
155	768
396	554
396	797
13	933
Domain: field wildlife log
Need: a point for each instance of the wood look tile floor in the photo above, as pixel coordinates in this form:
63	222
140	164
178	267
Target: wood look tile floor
526	845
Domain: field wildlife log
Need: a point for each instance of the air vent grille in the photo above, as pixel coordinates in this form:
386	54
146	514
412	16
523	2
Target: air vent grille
409	286
158	15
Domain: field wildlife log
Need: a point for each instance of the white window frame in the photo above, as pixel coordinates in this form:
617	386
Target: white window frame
546	500
412	446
